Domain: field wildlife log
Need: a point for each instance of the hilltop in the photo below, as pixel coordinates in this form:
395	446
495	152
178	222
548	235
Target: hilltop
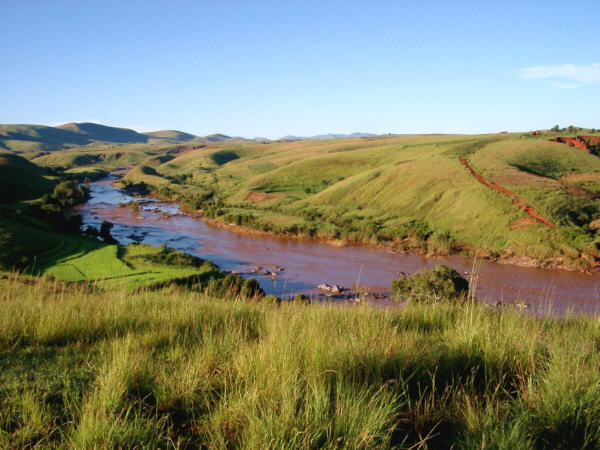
31	139
172	135
20	179
291	137
20	138
103	133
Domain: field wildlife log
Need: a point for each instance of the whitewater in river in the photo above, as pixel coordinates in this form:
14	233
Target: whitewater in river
308	263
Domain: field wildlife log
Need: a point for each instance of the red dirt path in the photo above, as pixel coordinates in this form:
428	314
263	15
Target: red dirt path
517	201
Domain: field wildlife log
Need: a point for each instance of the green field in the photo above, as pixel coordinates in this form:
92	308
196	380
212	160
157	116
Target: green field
111	265
80	368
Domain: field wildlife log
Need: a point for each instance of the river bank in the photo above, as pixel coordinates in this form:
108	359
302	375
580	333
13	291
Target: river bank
584	262
309	262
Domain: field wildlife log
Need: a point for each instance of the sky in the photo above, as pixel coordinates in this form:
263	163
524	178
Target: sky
269	69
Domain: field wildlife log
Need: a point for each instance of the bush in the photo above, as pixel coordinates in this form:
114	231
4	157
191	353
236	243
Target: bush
68	193
301	298
104	232
271	299
441	283
233	285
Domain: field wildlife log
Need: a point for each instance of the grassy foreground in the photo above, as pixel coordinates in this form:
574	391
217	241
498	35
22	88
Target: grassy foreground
85	368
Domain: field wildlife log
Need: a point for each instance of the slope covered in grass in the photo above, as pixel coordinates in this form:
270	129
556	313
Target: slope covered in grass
133	266
18	137
534	198
23	138
82	368
21	180
171	134
405	191
105	157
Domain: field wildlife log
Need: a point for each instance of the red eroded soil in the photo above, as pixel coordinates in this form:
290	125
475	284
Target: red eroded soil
517	201
592	140
258	197
580	142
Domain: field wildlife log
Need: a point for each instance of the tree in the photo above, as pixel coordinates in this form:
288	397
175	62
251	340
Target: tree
104	233
67	193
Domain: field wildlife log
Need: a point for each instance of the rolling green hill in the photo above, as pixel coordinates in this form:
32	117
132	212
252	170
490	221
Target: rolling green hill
21	180
103	133
504	196
36	140
172	135
22	138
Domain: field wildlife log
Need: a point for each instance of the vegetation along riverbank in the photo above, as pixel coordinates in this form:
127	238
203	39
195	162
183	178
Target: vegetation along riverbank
109	346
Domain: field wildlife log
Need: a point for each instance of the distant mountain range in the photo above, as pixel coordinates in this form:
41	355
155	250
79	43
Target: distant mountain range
36	138
27	138
326	136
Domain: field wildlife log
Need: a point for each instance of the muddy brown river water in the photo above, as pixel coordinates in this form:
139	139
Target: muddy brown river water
310	263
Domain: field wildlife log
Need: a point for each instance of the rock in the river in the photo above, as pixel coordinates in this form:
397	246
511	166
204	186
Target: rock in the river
335	288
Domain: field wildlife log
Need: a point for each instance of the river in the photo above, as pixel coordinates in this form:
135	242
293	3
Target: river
308	263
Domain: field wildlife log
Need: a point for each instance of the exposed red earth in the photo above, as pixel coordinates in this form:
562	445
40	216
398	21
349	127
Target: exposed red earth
581	142
517	201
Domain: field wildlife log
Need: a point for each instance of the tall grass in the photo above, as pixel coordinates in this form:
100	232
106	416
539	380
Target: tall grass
85	368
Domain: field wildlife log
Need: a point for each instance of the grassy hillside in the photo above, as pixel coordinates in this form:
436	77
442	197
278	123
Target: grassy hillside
20	138
103	133
176	369
505	196
35	140
106	157
21	180
171	134
404	191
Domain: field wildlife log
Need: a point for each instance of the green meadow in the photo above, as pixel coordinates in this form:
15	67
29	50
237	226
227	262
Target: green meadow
174	368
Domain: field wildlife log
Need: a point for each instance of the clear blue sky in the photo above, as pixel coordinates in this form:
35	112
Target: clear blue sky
271	68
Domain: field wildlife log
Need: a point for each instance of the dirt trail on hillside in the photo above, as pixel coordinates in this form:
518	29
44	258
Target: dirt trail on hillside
517	201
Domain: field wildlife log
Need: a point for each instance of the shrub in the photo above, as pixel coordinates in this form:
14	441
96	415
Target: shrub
271	299
234	285
441	283
104	233
301	298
